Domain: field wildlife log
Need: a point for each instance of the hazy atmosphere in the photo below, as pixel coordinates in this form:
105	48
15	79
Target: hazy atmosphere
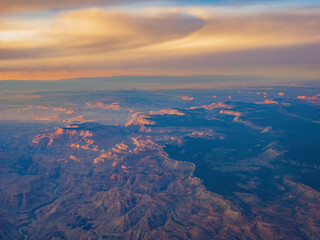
159	120
50	40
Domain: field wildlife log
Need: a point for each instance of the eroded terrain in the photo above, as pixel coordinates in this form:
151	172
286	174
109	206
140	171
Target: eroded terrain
188	164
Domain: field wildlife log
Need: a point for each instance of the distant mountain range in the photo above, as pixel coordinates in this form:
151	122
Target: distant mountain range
144	82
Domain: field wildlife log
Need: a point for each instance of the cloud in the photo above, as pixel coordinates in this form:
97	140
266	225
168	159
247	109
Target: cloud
38	5
172	41
93	31
17	6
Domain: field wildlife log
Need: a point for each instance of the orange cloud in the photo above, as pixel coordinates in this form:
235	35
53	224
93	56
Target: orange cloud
96	42
36	5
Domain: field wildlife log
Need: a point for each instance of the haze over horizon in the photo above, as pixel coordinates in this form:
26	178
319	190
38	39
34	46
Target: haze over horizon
159	120
46	40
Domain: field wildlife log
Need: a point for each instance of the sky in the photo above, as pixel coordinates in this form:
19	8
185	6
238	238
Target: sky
50	40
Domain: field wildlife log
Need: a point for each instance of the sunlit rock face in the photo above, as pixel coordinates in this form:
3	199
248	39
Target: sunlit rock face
111	106
149	166
267	101
187	98
166	111
313	99
140	120
233	113
213	106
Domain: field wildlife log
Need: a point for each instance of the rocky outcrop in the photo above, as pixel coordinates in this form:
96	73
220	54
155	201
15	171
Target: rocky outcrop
166	112
187	98
113	106
213	106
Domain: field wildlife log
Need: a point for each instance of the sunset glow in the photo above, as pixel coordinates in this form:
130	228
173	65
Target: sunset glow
46	41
